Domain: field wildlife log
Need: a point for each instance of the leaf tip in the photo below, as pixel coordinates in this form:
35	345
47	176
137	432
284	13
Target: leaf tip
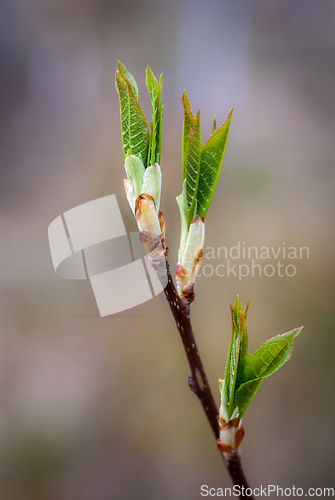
148	71
246	309
186	104
299	329
214	124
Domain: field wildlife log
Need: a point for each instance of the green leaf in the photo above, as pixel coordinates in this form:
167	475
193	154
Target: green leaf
240	334
245	372
135	132
234	333
155	91
244	344
138	129
188	124
192	168
232	371
125	74
121	88
224	399
253	368
212	155
245	394
268	358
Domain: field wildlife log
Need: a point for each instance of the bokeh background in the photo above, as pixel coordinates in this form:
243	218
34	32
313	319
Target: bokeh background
99	408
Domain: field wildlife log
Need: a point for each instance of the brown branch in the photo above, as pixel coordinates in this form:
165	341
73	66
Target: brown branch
198	380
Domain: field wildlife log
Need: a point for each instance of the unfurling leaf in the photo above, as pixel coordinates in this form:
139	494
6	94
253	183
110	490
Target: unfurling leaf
201	168
135	132
212	155
141	151
155	90
188	124
192	167
245	372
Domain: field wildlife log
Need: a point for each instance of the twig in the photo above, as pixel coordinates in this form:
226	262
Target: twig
198	380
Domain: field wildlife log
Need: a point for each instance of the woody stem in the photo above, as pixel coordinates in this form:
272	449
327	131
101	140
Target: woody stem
198	381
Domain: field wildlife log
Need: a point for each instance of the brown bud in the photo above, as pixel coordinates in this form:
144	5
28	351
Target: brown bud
146	215
231	435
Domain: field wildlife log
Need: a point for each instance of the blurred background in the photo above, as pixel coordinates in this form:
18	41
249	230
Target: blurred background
99	408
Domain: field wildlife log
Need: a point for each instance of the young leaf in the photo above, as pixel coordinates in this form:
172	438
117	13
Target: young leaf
244	344
239	343
155	92
192	167
244	372
232	370
212	155
138	130
267	359
121	88
224	400
188	124
125	74
245	394
231	359
135	132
